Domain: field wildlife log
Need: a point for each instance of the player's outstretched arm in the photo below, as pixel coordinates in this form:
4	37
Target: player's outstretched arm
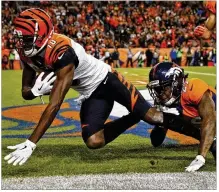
202	32
208	126
205	31
61	86
211	21
207	112
169	117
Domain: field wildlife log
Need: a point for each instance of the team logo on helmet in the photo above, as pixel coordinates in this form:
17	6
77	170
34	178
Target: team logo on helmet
175	71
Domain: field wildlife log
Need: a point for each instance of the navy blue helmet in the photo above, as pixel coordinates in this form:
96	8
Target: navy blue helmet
166	74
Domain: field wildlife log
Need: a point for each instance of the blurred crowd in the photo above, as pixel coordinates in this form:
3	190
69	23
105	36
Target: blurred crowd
183	56
100	25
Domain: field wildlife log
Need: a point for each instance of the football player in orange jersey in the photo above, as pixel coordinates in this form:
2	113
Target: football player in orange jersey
42	50
205	31
195	100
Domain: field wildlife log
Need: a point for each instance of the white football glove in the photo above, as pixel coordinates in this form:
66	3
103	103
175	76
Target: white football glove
21	154
196	164
42	87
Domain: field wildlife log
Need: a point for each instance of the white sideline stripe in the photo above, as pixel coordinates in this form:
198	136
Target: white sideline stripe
199	73
133	74
141	82
129	181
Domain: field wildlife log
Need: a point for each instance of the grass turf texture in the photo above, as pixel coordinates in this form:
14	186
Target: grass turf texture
69	156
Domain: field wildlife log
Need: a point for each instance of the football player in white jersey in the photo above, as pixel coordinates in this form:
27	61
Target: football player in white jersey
42	50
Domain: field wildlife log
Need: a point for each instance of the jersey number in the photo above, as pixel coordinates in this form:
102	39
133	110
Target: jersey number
51	43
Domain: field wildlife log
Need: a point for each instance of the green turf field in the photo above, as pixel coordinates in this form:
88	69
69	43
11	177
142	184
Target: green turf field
69	156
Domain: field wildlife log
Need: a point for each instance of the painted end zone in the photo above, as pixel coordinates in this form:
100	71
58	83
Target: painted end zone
22	119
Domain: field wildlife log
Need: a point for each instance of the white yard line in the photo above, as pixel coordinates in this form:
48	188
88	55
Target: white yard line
199	73
133	74
130	181
141	82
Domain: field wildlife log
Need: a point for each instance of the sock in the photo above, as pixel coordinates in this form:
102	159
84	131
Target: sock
114	128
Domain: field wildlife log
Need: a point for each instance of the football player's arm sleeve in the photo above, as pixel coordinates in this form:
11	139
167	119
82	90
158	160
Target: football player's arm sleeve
206	109
28	77
63	59
61	86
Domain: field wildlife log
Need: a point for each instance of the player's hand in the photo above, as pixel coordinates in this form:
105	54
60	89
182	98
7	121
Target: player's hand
202	32
196	164
44	86
21	154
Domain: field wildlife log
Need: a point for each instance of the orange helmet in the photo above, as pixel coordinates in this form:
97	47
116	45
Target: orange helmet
33	28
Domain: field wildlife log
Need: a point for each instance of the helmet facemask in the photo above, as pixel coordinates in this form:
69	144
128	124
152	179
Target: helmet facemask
173	87
26	43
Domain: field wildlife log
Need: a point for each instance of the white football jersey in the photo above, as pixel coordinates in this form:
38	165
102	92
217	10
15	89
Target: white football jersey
90	71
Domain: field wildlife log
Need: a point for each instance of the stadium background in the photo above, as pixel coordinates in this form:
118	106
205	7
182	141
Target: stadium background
114	26
102	27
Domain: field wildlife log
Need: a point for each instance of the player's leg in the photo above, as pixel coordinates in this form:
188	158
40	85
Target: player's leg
94	112
127	95
114	128
96	134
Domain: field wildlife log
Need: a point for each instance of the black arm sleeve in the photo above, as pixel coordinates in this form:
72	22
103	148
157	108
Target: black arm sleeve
28	95
172	121
68	57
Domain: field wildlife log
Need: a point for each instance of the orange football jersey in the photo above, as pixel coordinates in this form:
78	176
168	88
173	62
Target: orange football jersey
192	95
56	47
211	6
